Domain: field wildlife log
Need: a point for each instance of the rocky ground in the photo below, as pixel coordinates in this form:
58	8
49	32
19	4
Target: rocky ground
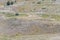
30	20
28	28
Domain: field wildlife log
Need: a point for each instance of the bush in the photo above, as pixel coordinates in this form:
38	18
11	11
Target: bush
8	3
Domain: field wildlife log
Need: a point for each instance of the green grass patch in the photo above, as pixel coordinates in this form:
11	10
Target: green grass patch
43	15
53	16
4	37
9	15
13	15
23	15
56	17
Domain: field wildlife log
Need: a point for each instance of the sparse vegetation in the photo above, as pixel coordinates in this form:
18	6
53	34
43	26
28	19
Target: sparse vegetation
4	37
23	15
56	17
9	15
43	15
29	17
15	15
52	16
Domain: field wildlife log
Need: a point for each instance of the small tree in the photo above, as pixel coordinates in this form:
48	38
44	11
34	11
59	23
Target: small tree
17	14
11	3
8	3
